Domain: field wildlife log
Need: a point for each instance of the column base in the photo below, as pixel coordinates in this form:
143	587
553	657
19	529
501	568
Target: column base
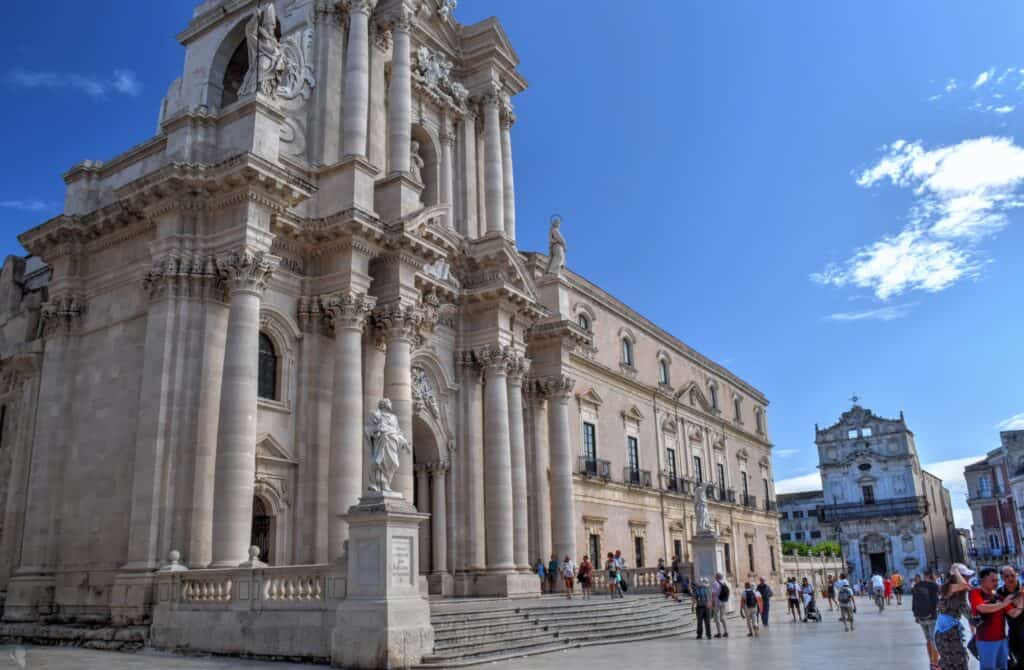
348	184
30	598
505	585
397	196
440	584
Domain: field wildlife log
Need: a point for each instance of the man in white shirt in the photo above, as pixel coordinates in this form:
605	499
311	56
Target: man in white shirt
568	569
720	593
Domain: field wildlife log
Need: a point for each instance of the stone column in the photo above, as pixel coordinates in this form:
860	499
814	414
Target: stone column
401	324
563	515
541	461
474	453
517	444
357	78
470	226
439	518
373	381
507	119
494	186
400	94
348	313
423	506
247	274
447	170
497	463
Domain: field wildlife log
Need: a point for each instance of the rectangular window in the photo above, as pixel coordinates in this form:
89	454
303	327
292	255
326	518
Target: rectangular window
671	463
798	536
595	550
633	453
746	491
798	514
698	470
677	545
869	495
850	434
786	537
638	549
812	513
721	474
785	515
728	558
750	556
589	441
766	490
815	534
771	555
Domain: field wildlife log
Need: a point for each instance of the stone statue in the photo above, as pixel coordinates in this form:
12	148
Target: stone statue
386	441
556	253
415	161
700	506
267	63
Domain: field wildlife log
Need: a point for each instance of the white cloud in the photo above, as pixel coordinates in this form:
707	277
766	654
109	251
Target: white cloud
983	78
890	313
951	473
123	81
785	453
1015	422
951	85
30	205
963	193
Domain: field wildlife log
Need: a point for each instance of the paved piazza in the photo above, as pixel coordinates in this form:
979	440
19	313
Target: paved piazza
889	640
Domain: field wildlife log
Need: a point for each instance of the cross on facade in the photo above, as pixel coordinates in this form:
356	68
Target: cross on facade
854	398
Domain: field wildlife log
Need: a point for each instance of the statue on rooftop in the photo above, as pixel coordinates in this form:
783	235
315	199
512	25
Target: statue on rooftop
556	253
267	63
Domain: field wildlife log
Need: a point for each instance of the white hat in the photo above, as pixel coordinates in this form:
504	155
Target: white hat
962	569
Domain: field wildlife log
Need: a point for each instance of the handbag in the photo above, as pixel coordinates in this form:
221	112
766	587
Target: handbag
623	585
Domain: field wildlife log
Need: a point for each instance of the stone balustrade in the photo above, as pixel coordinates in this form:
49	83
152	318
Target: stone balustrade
278	587
640	580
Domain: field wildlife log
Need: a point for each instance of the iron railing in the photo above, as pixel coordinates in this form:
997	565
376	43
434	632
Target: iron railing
917	506
748	500
594	467
678	485
635	477
771	506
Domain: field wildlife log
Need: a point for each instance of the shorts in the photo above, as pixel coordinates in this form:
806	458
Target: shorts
928	628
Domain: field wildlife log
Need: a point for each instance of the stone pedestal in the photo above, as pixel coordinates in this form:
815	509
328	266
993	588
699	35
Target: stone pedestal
397	196
131	598
29	598
707	556
384	622
441	584
347	185
506	585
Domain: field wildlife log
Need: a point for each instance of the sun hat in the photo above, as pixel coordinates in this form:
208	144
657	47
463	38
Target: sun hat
963	570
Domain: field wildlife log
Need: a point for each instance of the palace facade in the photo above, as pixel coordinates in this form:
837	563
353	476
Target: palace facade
325	217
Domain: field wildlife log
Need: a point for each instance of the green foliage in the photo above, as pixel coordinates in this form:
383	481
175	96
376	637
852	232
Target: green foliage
826	548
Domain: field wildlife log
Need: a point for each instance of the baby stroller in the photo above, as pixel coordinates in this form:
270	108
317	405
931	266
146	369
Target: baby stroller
811	612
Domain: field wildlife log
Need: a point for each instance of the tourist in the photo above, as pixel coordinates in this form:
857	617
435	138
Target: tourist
887	583
719	604
539	570
701	606
830	592
620	565
993	652
666	583
1014	620
952	606
847	603
878	590
897	586
924	601
766	599
807	595
553	573
793	598
677	574
568	575
684	583
751	609
586	576
613	575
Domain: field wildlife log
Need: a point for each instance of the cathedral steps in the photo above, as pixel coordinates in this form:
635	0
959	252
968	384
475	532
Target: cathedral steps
473	632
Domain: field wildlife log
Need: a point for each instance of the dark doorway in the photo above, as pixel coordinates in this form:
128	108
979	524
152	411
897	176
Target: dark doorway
595	550
261	528
878	564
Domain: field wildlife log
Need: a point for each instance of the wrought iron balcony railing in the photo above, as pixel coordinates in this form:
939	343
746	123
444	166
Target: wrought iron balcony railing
771	506
678	485
594	467
635	477
912	506
748	501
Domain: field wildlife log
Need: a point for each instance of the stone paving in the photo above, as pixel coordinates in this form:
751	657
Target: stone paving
881	641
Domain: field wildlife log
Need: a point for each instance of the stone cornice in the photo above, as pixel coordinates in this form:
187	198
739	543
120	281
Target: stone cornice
202	22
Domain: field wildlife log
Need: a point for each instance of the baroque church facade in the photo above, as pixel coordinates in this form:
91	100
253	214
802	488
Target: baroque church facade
326	217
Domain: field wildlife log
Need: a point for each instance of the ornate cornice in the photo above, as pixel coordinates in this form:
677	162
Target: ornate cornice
188	276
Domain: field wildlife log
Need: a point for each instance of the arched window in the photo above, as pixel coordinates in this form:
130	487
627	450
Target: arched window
713	391
267	368
663	371
759	420
627	352
737	409
584	321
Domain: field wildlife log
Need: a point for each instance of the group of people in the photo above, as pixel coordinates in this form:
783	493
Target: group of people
567	573
710	601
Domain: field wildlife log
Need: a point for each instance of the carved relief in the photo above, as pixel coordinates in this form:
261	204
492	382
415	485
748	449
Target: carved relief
62	316
432	72
247	270
423	395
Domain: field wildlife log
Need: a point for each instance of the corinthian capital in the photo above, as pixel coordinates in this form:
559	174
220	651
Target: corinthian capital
496	359
558	386
401	19
61	316
364	7
247	270
517	367
348	310
399	321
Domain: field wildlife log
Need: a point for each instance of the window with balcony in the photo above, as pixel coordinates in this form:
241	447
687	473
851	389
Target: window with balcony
584	322
743	480
589	441
737	409
698	470
720	469
767	489
633	453
638	550
670	463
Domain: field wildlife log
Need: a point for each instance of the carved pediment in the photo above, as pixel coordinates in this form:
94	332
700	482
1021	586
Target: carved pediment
633	414
269	448
691	393
590	396
742	454
668	425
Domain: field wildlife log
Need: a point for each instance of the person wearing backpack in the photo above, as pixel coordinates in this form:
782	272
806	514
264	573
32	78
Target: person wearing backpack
924	601
766	599
750	609
793	598
847	604
719	603
702	608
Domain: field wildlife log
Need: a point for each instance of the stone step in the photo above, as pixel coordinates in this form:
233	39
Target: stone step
482	618
450	630
650	619
439	662
476	650
474	642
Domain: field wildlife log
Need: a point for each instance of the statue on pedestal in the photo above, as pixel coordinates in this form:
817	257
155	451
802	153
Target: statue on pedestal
556	253
700	505
415	161
387	442
267	64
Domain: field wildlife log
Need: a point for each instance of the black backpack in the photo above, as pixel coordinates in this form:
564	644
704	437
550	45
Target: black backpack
723	594
750	598
922	604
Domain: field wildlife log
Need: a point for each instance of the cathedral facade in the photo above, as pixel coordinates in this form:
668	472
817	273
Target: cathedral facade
326	217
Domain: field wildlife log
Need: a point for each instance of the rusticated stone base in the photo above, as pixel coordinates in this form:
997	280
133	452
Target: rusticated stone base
126	638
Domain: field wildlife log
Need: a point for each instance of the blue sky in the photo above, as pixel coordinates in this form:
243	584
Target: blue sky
821	196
